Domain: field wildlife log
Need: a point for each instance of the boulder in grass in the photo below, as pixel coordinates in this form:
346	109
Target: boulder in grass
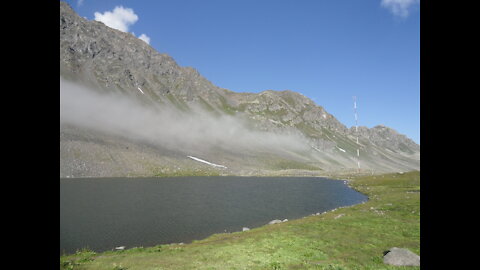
244	229
275	221
401	257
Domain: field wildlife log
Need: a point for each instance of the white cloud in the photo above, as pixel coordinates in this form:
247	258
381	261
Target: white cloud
145	38
79	2
121	18
399	8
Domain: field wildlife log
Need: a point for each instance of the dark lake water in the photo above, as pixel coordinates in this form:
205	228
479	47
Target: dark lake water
104	213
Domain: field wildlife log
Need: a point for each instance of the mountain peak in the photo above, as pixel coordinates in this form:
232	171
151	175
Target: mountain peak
275	129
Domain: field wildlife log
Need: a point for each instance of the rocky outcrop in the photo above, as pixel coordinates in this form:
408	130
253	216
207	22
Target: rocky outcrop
117	61
388	138
401	257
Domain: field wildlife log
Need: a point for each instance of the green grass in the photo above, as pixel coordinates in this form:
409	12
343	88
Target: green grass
283	164
165	171
404	148
225	107
190	172
308	130
289	100
178	102
205	105
348	238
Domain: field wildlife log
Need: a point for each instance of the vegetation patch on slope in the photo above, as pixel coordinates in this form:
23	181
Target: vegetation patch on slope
283	164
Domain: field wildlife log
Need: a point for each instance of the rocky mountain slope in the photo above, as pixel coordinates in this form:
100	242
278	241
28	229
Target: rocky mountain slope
127	110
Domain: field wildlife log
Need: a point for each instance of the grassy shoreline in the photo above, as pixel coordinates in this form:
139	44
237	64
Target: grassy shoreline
353	237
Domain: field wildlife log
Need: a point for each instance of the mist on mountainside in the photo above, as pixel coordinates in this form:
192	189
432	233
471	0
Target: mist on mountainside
166	126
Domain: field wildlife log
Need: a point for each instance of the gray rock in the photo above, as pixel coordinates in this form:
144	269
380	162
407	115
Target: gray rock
401	257
275	221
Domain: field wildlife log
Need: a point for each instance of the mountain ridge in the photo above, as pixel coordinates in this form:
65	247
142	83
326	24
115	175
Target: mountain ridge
111	61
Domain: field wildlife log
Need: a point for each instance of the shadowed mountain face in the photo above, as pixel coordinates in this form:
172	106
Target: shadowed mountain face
127	110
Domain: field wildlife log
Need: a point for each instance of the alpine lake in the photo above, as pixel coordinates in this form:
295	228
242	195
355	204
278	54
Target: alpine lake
104	213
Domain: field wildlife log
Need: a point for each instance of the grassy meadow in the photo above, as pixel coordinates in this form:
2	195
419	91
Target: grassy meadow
346	238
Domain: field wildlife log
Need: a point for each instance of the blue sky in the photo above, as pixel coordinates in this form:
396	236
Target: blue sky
328	50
